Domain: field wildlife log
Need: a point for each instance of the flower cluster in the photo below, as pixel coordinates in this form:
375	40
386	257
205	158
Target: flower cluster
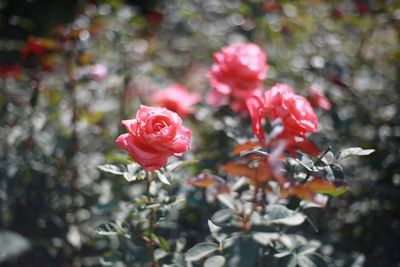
237	75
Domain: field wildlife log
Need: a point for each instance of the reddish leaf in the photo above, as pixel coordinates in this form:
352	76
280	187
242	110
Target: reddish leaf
239	169
204	180
250	145
319	184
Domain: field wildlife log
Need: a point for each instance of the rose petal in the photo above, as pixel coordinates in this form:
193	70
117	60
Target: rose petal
147	157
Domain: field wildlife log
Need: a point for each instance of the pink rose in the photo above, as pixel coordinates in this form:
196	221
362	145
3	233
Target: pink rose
177	99
295	112
238	71
318	98
98	72
153	136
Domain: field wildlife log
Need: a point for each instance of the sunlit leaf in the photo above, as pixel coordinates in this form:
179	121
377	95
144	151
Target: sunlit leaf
281	215
113	169
305	249
129	172
222	215
213	228
215	261
227	200
322	186
160	253
200	251
265	238
12	244
107	229
163	178
353	152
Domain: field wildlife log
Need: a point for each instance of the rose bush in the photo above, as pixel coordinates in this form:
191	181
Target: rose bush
238	71
153	136
177	99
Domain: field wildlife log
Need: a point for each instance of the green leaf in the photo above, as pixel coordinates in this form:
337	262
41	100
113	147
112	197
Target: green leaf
113	169
282	215
337	192
311	260
180	164
306	249
222	216
265	238
200	251
12	244
107	229
164	244
129	172
290	261
353	152
227	200
213	228
215	261
163	178
160	253
311	220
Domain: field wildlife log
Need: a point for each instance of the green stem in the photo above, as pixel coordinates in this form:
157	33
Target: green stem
152	219
323	153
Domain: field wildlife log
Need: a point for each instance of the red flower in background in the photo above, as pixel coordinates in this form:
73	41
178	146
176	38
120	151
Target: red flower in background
177	99
238	71
10	71
153	136
318	98
37	47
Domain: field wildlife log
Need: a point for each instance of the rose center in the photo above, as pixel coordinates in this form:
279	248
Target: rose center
159	125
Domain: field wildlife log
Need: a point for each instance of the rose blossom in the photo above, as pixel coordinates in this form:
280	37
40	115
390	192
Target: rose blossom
238	71
177	99
153	136
295	112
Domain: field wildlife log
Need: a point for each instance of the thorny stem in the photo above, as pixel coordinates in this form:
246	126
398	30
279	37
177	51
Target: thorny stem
152	219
